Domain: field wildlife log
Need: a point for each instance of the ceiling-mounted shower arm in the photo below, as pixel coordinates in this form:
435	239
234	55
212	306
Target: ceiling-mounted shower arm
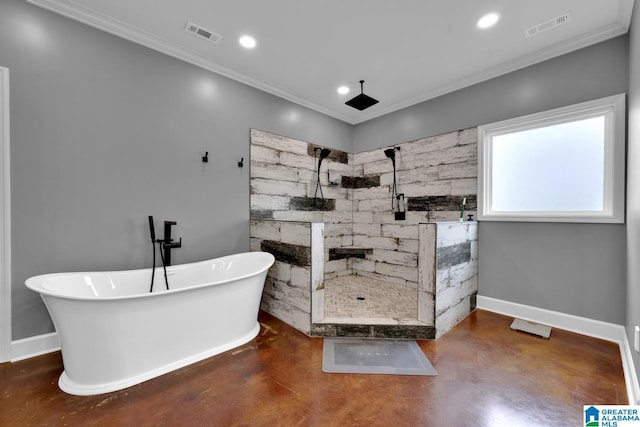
362	101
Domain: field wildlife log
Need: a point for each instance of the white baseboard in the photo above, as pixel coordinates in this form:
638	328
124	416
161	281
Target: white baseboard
580	325
34	346
630	377
568	322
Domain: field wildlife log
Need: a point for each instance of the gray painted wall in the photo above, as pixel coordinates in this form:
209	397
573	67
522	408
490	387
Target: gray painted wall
633	185
572	268
106	132
590	73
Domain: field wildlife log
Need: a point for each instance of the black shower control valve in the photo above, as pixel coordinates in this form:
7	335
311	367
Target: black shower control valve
205	158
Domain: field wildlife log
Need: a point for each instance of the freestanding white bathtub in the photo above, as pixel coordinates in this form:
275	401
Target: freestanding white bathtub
115	334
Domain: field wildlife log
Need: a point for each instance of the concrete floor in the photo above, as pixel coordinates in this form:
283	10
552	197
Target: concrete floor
488	375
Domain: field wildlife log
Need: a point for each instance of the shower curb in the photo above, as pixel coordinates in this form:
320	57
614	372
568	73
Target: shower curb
412	332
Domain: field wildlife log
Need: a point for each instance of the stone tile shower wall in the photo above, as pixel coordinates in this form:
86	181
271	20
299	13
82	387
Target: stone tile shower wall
283	185
448	273
434	174
293	289
361	234
288	221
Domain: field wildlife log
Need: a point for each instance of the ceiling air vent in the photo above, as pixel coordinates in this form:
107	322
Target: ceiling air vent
548	25
199	31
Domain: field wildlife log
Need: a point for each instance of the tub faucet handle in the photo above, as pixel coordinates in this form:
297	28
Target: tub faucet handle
172	244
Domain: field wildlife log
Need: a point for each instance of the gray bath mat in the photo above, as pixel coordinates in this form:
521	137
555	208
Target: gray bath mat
367	356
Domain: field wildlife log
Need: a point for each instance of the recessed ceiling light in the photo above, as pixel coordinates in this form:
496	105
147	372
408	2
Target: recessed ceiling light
488	20
343	90
248	42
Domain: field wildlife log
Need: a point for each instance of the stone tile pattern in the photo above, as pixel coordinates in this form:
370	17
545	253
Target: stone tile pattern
348	252
432	204
287	288
297	255
448	271
362	297
357	211
407	332
283	182
283	185
434	174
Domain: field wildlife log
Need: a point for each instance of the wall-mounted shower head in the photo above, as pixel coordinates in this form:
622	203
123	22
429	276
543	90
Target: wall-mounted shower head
390	153
324	153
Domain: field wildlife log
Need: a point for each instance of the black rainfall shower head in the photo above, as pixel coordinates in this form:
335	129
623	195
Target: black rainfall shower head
362	101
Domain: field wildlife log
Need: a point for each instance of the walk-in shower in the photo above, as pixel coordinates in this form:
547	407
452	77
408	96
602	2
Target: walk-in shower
347	263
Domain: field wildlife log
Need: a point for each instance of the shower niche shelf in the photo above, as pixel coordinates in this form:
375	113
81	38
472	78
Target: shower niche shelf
349	252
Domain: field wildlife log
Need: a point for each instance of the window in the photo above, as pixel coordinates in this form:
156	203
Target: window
562	165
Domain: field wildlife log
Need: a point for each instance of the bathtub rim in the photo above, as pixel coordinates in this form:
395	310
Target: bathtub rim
34	283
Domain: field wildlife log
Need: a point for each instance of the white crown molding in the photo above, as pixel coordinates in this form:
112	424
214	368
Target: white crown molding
580	325
624	13
134	34
93	18
506	67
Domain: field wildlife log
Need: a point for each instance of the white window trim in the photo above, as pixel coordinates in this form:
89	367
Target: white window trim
614	168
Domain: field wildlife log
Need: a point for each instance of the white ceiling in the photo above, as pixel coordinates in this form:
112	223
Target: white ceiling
407	51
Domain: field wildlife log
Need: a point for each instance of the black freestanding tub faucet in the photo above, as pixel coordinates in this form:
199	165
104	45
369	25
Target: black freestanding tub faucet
168	243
